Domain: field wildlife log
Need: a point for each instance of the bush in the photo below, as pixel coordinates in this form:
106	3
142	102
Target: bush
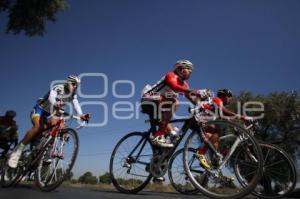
105	179
88	178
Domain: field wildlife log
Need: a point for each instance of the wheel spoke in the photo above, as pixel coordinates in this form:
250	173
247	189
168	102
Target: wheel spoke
57	160
233	176
129	171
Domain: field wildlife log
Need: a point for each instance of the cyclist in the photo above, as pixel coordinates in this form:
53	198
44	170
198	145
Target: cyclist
218	104
161	98
54	100
8	131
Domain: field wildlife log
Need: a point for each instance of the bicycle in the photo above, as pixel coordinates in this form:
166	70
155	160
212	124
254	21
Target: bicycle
6	147
141	160
279	173
47	160
178	176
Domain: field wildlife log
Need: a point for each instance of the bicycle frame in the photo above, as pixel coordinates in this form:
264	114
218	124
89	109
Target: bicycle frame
55	130
188	123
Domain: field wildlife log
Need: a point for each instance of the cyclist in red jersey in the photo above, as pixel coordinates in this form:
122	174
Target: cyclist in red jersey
162	97
211	132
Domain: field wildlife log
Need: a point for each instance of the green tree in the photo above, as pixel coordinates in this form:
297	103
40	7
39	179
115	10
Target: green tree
30	16
105	178
281	117
88	178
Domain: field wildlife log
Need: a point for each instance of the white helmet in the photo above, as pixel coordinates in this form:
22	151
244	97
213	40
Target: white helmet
73	79
183	63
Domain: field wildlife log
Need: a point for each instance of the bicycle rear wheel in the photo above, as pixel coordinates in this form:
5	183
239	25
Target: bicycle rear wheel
279	173
178	176
129	163
57	160
221	178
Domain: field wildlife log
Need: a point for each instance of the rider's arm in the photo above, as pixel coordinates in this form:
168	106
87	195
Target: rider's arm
219	103
77	105
196	96
172	82
52	97
191	95
227	112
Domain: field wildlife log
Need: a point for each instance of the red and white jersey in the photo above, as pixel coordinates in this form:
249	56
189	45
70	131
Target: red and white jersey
216	103
168	87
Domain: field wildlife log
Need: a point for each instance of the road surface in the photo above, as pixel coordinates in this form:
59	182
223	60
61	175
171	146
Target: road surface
28	191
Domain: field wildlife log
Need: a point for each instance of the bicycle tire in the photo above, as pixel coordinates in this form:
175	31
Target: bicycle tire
187	189
286	169
118	182
236	192
38	172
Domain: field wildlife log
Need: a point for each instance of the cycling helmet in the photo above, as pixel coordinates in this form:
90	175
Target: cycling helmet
225	92
184	63
10	113
73	79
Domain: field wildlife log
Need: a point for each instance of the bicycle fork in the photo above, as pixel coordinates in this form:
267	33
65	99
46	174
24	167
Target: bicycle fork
57	148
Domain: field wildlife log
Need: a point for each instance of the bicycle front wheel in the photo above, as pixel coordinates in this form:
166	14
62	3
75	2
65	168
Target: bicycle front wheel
178	176
130	162
57	160
221	180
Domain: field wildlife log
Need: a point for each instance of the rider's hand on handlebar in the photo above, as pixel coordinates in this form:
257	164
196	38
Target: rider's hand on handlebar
85	117
203	93
248	119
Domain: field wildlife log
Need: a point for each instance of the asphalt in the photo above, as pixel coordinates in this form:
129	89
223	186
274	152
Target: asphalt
29	191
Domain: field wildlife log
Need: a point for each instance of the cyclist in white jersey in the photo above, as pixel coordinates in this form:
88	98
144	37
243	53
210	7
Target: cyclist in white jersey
55	99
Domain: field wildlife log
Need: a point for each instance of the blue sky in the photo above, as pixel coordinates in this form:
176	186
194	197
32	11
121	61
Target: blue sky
242	45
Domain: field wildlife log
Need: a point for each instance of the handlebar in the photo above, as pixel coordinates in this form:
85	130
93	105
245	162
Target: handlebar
251	125
62	114
200	105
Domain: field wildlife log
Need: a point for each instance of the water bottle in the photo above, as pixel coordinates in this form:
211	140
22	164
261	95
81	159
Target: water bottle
173	135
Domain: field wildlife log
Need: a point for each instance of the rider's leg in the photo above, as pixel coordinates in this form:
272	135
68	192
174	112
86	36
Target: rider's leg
212	136
170	128
4	145
52	121
38	125
166	109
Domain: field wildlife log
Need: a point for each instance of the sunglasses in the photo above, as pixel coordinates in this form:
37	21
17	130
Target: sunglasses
74	84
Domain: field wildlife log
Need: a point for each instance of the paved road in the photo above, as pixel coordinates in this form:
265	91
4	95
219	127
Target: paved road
31	192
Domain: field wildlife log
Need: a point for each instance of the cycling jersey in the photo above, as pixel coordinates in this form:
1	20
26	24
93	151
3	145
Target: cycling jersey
169	87
211	110
11	134
216	102
5	123
37	111
57	95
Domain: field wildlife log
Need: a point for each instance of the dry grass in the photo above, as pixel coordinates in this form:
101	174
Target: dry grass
156	187
160	188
